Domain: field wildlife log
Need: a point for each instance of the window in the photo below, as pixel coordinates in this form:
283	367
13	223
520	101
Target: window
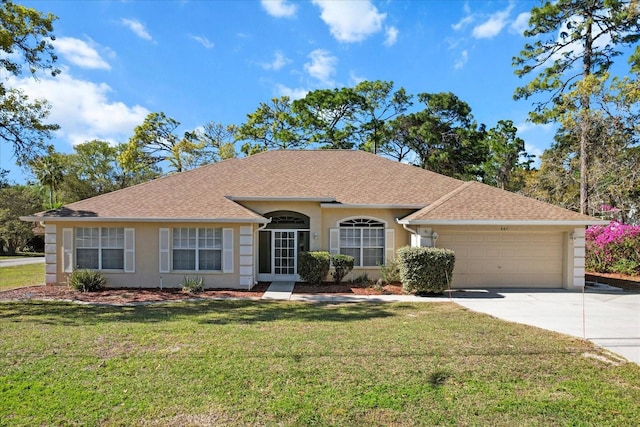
197	249
363	239
100	248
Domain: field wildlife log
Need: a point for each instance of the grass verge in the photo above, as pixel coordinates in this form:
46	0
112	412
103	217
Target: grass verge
265	363
21	275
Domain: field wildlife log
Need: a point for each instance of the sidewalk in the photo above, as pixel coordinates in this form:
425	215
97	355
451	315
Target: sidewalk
21	261
283	291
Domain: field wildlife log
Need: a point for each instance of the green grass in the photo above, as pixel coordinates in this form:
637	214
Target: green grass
20	276
292	364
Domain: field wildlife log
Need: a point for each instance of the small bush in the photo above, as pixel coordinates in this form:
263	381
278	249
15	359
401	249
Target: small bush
87	281
313	267
390	272
192	285
342	264
425	270
362	279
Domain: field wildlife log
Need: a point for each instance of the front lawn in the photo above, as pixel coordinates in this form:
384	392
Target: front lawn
274	363
21	275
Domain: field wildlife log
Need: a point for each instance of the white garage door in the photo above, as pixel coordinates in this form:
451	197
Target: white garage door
506	259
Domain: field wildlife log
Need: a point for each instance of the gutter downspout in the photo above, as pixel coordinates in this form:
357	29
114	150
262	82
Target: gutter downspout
414	232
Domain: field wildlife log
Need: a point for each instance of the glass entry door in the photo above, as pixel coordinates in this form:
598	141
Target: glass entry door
284	252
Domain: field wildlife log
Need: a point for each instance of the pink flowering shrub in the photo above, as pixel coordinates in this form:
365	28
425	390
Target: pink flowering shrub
614	248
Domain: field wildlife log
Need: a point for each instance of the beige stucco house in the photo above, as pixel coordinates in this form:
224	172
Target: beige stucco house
241	221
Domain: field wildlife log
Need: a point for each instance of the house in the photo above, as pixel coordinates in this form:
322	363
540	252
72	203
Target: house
241	221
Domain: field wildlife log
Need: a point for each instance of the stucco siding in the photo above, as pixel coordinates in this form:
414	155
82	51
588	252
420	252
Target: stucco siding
146	252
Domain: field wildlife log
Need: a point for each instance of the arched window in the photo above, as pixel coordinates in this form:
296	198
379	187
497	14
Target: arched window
363	239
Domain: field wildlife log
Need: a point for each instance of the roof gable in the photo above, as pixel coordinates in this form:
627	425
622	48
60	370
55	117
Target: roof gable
474	202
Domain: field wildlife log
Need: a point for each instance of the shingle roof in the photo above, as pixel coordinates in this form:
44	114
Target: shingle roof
215	192
477	202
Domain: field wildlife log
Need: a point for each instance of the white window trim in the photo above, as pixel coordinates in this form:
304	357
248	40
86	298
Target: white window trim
387	233
197	249
128	249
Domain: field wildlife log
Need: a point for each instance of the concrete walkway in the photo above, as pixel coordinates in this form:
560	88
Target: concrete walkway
279	291
21	261
607	317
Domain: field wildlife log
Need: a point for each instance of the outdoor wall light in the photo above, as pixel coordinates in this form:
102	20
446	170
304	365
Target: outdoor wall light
573	237
315	236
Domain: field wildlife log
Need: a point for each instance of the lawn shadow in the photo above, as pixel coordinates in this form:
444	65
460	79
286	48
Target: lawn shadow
203	312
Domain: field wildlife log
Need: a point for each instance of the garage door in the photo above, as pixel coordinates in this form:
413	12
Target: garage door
505	260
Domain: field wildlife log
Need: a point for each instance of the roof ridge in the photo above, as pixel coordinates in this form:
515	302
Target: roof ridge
442	200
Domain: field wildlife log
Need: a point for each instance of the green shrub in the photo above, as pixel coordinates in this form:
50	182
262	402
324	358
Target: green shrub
342	264
313	267
425	270
87	281
192	285
390	272
362	279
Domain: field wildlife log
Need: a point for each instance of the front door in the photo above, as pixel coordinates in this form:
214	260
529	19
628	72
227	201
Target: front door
279	244
284	254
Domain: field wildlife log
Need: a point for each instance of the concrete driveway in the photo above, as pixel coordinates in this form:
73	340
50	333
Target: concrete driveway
21	261
611	318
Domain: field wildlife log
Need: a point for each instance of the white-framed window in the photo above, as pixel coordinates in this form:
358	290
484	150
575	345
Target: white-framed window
197	249
363	239
100	248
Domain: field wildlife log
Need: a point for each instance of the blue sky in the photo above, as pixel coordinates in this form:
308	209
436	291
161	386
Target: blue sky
202	61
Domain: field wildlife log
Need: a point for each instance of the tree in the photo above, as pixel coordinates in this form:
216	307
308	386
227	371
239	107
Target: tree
216	142
154	141
506	155
16	201
328	117
575	39
49	171
378	104
444	136
272	126
25	36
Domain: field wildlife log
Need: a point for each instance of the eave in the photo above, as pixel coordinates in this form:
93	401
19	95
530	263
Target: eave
502	222
143	219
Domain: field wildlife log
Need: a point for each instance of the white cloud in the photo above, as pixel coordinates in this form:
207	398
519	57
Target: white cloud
292	93
204	41
137	27
83	108
460	63
492	26
521	23
392	36
279	8
80	53
322	66
279	61
463	22
350	21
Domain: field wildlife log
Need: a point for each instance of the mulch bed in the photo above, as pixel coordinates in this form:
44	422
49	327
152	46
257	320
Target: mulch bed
628	283
142	295
347	288
126	296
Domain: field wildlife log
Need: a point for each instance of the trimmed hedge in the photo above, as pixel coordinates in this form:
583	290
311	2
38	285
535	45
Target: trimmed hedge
342	264
425	270
313	267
